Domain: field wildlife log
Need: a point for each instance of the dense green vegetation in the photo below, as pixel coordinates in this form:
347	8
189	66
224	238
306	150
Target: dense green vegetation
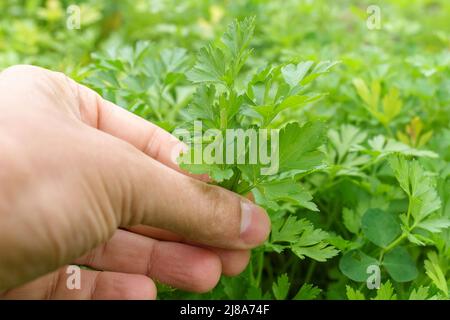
364	113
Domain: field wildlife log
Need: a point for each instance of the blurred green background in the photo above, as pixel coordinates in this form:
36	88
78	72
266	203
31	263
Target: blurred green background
410	50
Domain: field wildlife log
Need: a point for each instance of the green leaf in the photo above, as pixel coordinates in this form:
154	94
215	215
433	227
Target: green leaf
415	238
301	237
216	172
424	199
321	68
307	292
311	236
320	252
392	104
288	229
363	90
354	264
294	74
221	63
343	141
298	146
203	107
354	294
421	293
400	265
258	89
255	293
235	287
435	225
174	60
384	147
380	227
293	102
342	244
385	292
351	219
435	273
210	66
238	36
289	190
281	287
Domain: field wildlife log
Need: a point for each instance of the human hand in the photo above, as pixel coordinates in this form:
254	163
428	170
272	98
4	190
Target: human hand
85	181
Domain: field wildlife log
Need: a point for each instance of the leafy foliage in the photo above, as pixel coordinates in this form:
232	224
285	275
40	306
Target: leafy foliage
362	120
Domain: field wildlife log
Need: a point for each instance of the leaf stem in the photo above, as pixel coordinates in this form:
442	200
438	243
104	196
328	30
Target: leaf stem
249	188
235	184
408	214
389	130
310	271
391	246
260	260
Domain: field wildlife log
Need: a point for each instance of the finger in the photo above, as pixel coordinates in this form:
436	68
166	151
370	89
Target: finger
195	210
176	264
233	261
93	285
156	233
144	135
166	235
147	192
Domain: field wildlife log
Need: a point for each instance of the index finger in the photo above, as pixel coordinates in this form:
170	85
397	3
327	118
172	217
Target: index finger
119	122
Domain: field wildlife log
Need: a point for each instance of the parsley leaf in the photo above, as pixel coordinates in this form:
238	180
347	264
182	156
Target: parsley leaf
281	287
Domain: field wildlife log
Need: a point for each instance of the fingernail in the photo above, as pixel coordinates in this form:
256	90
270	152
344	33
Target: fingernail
255	223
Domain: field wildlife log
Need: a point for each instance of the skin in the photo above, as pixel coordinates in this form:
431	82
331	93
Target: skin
83	181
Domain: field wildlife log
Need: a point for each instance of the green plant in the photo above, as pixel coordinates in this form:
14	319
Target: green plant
323	173
220	104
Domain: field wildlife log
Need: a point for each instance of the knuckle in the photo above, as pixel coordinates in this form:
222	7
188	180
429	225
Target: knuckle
21	69
207	276
46	81
27	74
39	80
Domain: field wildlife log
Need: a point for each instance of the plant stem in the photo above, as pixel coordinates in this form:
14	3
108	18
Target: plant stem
408	214
260	260
310	271
389	130
391	246
252	275
249	188
402	236
235	184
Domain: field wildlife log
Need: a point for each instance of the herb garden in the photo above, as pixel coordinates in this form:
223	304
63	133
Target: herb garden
356	91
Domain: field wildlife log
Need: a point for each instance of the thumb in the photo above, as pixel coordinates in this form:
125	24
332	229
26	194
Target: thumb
164	198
